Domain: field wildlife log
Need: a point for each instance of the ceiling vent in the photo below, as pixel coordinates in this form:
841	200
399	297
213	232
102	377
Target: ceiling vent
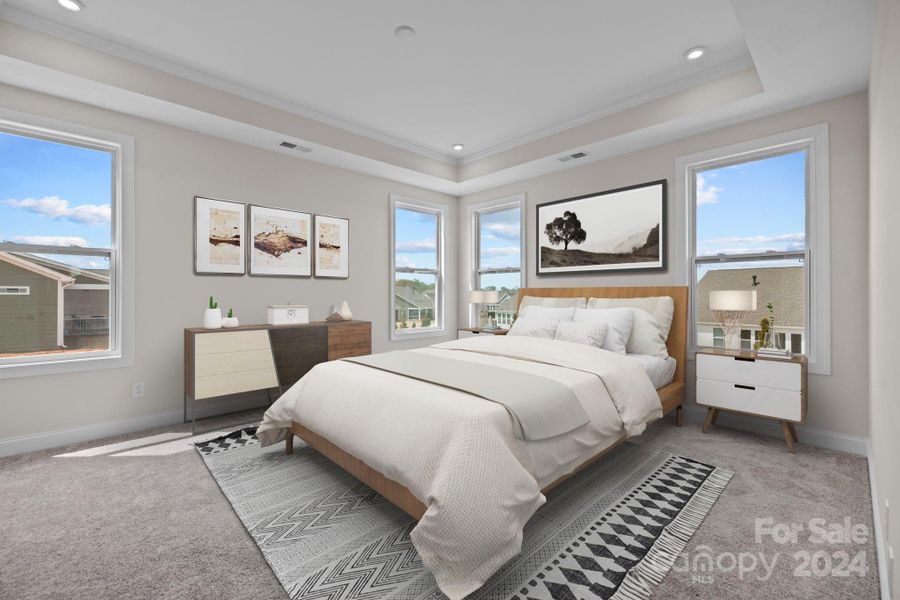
293	146
574	156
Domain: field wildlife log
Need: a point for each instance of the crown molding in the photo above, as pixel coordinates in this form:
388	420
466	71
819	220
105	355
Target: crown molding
704	76
174	67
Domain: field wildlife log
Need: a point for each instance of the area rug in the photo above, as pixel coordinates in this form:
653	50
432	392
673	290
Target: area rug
611	532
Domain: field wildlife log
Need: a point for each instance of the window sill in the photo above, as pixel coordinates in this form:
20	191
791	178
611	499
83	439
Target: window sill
399	337
64	365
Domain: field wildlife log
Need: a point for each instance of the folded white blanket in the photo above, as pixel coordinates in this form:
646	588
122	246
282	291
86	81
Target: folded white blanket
480	485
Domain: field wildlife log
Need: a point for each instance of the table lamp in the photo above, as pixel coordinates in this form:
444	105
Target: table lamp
484	297
730	307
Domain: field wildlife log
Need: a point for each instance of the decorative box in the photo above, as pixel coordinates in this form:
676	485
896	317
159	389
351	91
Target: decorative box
288	314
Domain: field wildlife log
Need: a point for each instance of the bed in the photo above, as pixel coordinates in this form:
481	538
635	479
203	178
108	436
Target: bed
473	492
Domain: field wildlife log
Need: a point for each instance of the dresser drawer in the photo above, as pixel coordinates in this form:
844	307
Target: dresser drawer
758	400
769	373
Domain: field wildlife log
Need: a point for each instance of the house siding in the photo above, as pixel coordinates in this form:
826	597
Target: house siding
27	323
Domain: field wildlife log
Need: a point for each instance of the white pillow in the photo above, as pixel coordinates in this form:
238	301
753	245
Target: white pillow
590	334
662	308
620	321
548	313
539	328
551	302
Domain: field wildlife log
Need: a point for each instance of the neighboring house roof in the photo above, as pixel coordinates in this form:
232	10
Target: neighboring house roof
23	263
78	275
507	303
784	287
414	297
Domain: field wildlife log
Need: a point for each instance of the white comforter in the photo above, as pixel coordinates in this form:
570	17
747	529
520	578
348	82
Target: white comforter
456	452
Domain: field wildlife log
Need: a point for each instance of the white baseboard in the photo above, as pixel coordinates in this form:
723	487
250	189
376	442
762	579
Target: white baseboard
814	437
880	546
64	437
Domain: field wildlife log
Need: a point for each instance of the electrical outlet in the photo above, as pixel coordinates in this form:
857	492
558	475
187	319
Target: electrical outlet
137	390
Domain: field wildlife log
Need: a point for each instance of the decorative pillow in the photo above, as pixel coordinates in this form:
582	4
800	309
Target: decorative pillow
551	302
589	334
539	328
619	320
662	310
548	313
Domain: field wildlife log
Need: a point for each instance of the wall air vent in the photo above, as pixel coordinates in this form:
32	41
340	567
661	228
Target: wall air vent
574	156
293	146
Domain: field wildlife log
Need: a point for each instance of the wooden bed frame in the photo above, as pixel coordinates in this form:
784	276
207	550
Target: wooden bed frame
671	396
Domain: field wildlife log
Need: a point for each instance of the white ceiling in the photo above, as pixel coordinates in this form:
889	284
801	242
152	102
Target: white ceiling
486	74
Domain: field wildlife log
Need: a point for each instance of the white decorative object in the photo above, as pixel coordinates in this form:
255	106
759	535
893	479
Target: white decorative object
212	318
230	321
288	314
345	311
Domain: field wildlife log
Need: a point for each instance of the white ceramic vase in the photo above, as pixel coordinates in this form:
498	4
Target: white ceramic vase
230	322
345	311
212	318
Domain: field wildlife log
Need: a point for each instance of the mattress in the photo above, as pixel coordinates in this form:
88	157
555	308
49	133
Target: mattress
661	371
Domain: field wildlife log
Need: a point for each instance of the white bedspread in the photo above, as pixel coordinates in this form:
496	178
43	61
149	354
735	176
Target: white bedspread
457	453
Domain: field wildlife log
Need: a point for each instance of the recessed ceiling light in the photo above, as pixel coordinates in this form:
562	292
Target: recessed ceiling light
458	147
405	32
73	5
695	53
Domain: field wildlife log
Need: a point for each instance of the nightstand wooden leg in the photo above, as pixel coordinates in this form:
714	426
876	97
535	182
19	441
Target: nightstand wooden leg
793	431
679	416
788	438
289	442
710	418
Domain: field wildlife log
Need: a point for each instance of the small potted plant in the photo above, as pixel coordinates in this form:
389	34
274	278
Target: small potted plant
212	318
231	320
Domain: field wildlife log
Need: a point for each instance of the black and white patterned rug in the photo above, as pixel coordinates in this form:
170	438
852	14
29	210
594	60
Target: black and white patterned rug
612	532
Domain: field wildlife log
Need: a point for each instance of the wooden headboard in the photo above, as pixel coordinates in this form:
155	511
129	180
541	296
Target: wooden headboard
677	342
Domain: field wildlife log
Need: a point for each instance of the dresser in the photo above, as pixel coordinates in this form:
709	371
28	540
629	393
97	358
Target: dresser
754	384
218	362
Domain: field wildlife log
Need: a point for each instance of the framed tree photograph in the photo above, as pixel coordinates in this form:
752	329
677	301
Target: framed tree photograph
219	234
616	230
332	239
280	242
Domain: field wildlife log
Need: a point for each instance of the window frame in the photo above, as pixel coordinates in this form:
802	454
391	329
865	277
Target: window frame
814	141
474	215
440	211
120	252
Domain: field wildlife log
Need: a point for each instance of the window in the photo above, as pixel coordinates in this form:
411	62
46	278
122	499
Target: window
759	222
497	253
417	283
61	247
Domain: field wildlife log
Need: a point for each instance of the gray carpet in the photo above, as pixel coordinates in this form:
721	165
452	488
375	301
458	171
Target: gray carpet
158	526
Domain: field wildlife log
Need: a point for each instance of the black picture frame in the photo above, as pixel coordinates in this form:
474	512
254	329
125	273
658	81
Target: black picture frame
554	257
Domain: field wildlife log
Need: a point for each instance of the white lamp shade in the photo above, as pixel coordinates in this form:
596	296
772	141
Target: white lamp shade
737	300
484	297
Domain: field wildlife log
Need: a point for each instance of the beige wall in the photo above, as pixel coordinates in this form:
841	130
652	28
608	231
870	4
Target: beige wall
884	269
838	403
172	165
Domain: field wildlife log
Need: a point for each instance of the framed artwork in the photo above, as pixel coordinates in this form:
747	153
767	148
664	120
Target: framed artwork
332	236
617	230
280	242
219	237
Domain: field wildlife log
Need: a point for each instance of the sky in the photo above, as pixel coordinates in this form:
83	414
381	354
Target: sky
55	194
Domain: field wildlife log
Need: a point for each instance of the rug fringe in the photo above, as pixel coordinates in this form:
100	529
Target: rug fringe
658	561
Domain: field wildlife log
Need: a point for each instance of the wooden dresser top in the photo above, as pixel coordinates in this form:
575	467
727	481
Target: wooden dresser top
196	330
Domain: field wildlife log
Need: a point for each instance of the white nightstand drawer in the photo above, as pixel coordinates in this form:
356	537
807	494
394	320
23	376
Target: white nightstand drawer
757	400
768	373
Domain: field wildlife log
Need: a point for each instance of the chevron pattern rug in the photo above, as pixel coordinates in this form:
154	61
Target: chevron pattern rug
612	532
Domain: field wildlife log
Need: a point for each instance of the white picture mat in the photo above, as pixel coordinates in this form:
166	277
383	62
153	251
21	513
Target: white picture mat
264	264
609	218
324	266
202	247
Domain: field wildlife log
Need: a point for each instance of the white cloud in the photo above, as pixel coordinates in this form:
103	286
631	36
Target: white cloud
417	246
404	261
505	231
59	208
706	192
759	239
500	251
51	240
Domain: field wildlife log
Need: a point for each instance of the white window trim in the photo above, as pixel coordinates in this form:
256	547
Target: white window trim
122	263
490	206
814	140
441	211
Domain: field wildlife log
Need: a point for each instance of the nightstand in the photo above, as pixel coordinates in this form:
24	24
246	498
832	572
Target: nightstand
473	331
746	382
